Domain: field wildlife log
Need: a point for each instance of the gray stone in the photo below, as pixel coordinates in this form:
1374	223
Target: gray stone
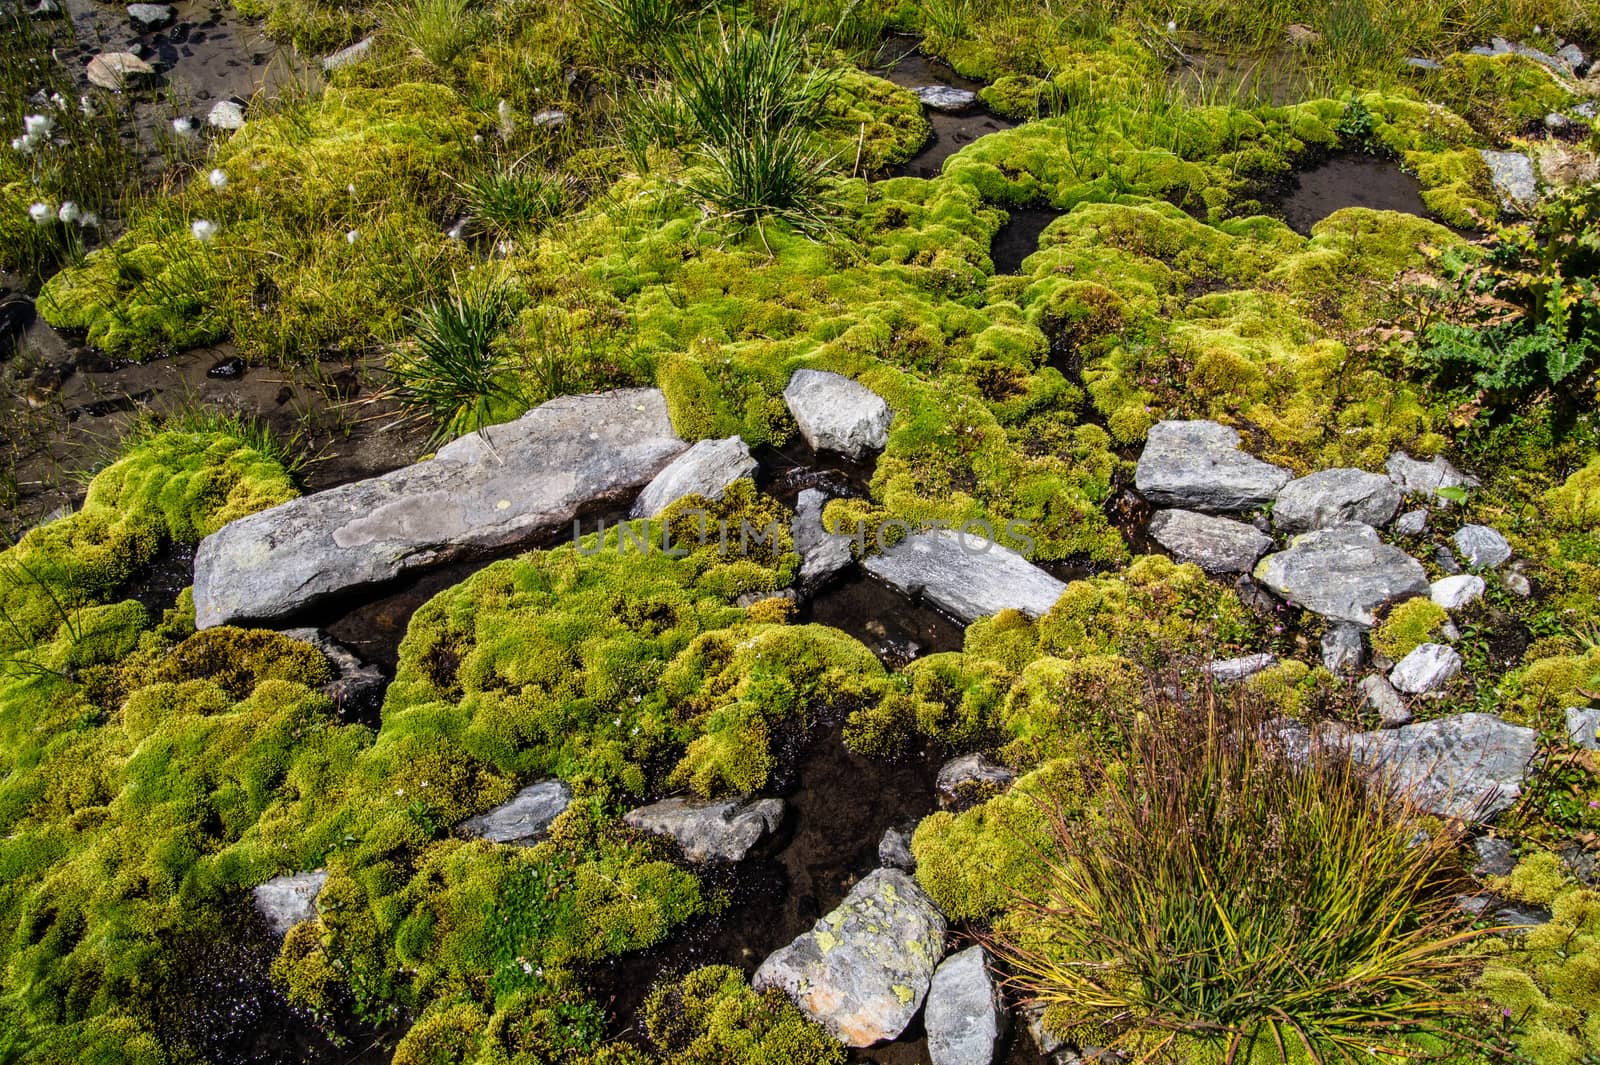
1495	857
864	969
1411	523
45	9
551	118
358	687
1343	573
525	818
835	413
1427	668
285	901
1446	559
1501	46
1583	727
1457	591
960	779
723	830
894	848
151	16
1589	110
1511	915
1342	651
347	56
1465	766
966	1018
1331	497
1053	1048
1428	477
486	491
1482	546
1517	584
822	554
1197	465
1572	57
1514	179
118	70
706	469
966	576
1216	545
1556	122
1383	700
1417	62
227	115
1232	670
945	98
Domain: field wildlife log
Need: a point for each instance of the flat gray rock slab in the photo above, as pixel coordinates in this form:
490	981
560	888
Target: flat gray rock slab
285	901
965	1018
966	576
723	830
835	413
1216	545
1233	670
1514	179
706	469
945	98
1427	668
151	16
117	70
1457	591
1331	497
1197	465
1583	727
1482	546
1343	573
1468	765
484	492
523	820
1426	478
864	969
822	554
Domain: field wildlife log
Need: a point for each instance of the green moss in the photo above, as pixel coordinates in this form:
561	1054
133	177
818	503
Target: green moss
711	1015
872	124
1499	95
1155	603
1408	626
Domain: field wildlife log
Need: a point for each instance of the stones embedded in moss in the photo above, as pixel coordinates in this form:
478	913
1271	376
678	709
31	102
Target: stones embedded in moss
707	468
285	901
525	818
1329	497
1427	668
1197	465
1215	544
968	576
1468	766
837	414
1343	573
723	830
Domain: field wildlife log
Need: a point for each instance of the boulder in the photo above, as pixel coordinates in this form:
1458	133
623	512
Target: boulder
706	469
1514	179
1216	545
971	776
894	848
347	56
118	70
1343	573
358	687
965	1018
1233	670
523	820
1464	766
1583	727
1427	668
1414	475
835	413
1482	546
863	970
1383	700
822	554
1197	465
1342	651
487	491
285	901
1331	497
966	576
151	16
723	830
945	98
1411	523
1455	592
226	115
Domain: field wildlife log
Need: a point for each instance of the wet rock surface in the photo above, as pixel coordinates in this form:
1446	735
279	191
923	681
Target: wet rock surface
1343	573
486	491
706	469
835	413
966	576
1198	465
525	818
822	554
1215	544
946	98
722	830
285	901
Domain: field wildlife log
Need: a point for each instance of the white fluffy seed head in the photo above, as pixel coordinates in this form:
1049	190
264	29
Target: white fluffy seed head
42	214
218	179
183	126
69	212
203	229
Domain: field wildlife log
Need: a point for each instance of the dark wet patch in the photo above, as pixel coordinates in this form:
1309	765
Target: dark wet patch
1019	237
157	586
897	629
1348	180
900	63
787	471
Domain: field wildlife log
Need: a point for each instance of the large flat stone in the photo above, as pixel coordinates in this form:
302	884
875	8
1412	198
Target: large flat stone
723	830
1331	497
966	576
1197	465
706	469
1465	766
1216	545
525	818
864	969
1343	573
484	492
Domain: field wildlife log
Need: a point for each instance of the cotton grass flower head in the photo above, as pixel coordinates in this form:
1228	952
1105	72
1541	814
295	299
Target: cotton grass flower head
203	229
42	214
69	213
218	179
183	126
352	236
38	126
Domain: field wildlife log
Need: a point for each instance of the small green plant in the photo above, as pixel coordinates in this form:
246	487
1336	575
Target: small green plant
644	23
441	30
453	372
509	198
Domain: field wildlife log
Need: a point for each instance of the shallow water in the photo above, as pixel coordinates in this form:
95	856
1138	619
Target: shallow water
1350	181
898	62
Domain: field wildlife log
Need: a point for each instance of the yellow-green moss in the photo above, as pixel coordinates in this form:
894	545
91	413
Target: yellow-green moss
1407	626
711	1015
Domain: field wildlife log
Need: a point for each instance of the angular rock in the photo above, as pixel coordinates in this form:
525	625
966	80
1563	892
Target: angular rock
945	98
1216	545
1197	465
1232	670
961	779
285	901
1517	584
894	848
1482	546
1427	668
1455	592
706	469
723	830
1414	475
835	413
965	1018
1583	727
1495	857
1342	651
1572	57
226	114
1331	497
358	687
523	820
1514	179
1468	765
489	490
964	575
347	56
863	970
1343	573
822	554
151	16
118	70
1417	62
1411	523
1383	700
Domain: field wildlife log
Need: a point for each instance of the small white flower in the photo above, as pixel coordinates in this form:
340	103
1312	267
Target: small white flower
1172	26
218	179
38	125
183	126
351	188
86	105
69	212
203	229
41	214
457	231
352	236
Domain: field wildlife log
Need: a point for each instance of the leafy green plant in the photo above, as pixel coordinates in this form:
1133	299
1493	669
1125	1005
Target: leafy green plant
441	30
1229	892
453	372
509	198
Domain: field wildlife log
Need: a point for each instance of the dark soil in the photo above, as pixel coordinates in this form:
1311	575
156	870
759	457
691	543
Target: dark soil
896	628
1019	237
1350	181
